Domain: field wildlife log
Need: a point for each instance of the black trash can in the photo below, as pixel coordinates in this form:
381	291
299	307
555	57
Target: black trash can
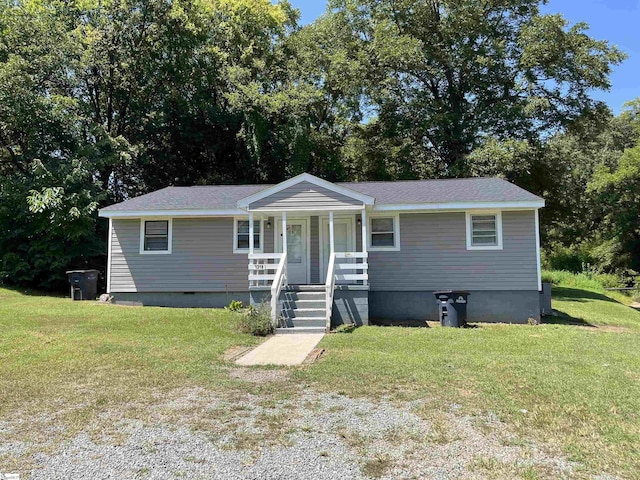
452	306
84	284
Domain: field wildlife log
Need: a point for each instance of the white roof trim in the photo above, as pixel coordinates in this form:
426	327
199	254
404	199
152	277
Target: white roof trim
401	207
305	177
533	204
170	213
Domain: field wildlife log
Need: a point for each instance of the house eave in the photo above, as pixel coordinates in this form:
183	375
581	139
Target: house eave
170	213
459	206
401	207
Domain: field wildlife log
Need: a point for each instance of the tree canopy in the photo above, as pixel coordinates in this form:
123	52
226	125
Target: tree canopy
104	100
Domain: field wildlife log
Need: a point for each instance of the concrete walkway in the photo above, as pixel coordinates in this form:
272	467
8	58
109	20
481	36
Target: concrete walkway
287	349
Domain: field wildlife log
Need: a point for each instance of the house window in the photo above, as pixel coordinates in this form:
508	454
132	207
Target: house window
384	233
155	236
241	235
484	231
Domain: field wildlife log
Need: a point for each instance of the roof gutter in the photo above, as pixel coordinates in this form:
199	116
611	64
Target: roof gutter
459	206
170	213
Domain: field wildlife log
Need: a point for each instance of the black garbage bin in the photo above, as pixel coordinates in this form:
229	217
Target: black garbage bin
84	284
452	307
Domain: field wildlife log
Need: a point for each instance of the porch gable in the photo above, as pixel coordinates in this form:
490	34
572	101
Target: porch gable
305	192
305	196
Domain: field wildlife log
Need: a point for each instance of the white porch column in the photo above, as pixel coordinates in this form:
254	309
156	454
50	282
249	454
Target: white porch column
284	232
331	246
250	233
365	240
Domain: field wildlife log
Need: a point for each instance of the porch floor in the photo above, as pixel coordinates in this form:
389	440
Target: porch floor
282	350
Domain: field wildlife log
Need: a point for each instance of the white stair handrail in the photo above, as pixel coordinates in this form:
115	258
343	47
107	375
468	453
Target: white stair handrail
329	288
279	281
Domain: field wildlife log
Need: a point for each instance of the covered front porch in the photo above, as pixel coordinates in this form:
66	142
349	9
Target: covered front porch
306	254
315	269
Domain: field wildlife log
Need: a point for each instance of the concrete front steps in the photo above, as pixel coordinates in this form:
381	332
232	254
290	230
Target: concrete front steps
303	309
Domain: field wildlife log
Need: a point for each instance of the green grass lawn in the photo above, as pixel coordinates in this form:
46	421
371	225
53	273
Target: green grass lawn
92	357
572	384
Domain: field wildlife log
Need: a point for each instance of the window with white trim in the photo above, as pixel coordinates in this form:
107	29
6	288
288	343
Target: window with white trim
155	236
241	235
384	232
484	231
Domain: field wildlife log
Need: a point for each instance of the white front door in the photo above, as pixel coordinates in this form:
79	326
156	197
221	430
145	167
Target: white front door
343	240
297	250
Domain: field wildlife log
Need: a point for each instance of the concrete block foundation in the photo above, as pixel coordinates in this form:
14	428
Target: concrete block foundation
515	306
180	299
350	306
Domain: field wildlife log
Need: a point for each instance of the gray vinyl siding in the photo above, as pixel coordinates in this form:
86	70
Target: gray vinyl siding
433	255
202	259
305	196
269	236
315	249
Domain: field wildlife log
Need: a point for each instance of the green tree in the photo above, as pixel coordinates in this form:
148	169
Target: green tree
618	193
449	73
102	100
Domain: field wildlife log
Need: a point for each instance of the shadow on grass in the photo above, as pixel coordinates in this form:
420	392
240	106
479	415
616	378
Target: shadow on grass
34	293
562	318
398	323
577	295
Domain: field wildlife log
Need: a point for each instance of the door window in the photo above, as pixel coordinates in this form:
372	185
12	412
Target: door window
294	243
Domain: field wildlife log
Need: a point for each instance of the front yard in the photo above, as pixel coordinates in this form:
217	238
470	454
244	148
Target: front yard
152	388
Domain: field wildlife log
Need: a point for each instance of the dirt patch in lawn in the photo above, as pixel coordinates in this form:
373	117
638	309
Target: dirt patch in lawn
255	375
314	356
607	328
234	353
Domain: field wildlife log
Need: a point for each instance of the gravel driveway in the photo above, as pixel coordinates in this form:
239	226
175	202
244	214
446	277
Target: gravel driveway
311	435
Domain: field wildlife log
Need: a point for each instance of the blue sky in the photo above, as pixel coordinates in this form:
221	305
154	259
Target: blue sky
617	21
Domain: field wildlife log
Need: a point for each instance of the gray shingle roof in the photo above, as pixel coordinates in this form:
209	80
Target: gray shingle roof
455	190
223	197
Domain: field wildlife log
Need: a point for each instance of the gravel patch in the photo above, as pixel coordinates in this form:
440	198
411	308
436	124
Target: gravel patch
196	434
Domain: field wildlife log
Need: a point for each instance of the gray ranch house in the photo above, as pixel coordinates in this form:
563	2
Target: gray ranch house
321	253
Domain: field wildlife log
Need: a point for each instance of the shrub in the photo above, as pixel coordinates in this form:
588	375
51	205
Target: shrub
574	259
585	280
257	321
345	328
235	306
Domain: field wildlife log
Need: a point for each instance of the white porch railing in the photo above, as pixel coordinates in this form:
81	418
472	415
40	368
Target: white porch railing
343	264
260	267
329	287
339	262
